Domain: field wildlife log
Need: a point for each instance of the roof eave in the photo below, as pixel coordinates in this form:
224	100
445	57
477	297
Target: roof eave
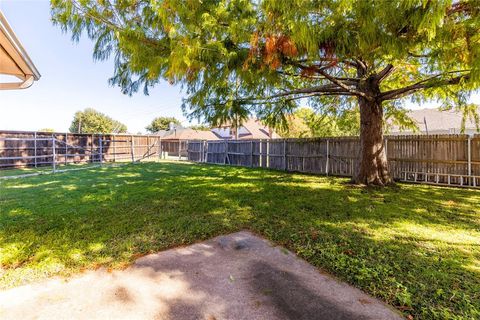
7	30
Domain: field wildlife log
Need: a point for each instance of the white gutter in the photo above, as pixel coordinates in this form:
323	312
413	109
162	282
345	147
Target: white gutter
30	75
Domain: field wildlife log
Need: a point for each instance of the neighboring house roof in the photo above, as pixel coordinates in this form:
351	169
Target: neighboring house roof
437	122
190	134
257	130
250	129
162	133
14	60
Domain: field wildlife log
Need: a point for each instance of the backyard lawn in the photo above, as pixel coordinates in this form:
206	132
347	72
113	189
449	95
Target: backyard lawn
416	247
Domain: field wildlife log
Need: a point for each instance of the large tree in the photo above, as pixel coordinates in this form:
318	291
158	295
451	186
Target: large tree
93	121
161	123
238	57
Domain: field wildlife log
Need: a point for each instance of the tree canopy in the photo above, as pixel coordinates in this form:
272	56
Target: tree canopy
240	57
161	123
93	121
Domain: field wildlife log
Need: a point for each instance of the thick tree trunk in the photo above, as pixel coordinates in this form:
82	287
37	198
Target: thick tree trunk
373	161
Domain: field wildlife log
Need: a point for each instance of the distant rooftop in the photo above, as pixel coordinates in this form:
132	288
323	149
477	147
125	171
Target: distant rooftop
187	134
250	129
435	121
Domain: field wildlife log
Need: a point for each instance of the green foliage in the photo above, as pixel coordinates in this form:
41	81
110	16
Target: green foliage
305	123
296	124
161	123
201	127
92	121
414	246
242	57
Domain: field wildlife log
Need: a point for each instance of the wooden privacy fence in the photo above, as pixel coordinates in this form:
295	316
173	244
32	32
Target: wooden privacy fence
435	159
32	149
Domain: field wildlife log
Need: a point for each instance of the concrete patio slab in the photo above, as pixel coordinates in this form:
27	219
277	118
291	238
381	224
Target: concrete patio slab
237	276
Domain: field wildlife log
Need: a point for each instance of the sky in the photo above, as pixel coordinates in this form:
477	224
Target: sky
71	80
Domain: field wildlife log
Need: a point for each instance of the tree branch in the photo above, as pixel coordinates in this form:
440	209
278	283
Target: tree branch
424	84
382	75
344	86
325	90
328	88
114	27
333	79
459	7
350	81
319	94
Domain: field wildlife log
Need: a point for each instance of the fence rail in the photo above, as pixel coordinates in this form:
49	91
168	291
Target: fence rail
435	159
33	149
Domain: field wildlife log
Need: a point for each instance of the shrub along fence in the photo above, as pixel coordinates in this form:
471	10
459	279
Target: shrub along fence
32	149
435	159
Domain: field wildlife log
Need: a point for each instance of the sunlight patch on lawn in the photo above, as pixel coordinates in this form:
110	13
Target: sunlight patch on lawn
69	187
473	267
76	255
306	185
19	212
96	247
433	233
22	186
30	185
128	175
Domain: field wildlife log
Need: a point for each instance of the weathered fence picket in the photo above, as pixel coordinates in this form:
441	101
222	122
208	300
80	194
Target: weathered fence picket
435	159
33	149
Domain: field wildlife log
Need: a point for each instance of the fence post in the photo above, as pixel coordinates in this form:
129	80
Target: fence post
132	149
114	148
303	164
54	156
160	155
205	151
35	146
179	150
101	149
469	148
226	152
66	148
285	166
251	153
327	158
149	147
92	158
159	148
260	158
386	147
268	154
386	156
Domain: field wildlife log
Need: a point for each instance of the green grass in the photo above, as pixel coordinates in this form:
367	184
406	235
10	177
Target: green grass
416	247
45	169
